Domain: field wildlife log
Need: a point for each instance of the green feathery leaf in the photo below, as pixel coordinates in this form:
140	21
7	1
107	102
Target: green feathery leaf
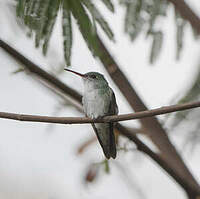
156	45
163	8
20	8
41	14
85	26
180	25
133	19
40	17
19	70
109	5
154	10
67	32
99	18
51	18
106	168
28	6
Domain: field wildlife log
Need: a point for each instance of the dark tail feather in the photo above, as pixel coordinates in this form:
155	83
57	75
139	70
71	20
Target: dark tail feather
113	151
106	139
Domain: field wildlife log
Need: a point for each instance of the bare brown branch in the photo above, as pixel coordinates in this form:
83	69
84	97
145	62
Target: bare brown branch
114	118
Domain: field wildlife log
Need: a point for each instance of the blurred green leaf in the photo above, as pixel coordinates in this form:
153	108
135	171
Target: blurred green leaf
67	32
41	13
85	26
51	15
156	45
109	5
107	168
21	69
140	17
99	18
40	16
180	25
20	8
133	19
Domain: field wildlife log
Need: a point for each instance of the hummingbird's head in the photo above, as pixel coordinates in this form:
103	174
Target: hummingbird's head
91	80
94	80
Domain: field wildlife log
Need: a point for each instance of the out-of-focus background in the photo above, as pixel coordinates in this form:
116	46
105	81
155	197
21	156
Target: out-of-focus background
39	160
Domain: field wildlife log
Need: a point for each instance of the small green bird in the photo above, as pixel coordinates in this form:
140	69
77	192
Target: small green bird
98	101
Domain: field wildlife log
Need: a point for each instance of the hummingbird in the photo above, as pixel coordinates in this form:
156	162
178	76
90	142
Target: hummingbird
98	101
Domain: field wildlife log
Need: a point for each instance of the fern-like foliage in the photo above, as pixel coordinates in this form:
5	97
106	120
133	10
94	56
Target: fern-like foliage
141	16
40	17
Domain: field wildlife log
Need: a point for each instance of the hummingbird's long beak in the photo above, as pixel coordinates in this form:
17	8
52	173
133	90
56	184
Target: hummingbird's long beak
81	75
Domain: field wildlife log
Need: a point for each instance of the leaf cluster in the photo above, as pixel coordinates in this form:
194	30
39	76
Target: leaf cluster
40	17
140	16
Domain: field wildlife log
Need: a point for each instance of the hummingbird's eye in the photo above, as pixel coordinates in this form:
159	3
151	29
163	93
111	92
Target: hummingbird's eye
93	76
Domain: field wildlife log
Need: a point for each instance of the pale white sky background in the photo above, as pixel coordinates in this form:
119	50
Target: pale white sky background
41	162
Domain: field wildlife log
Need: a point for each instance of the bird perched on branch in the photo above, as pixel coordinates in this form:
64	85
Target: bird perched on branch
98	101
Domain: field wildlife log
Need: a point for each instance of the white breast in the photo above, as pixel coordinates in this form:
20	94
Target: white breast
93	104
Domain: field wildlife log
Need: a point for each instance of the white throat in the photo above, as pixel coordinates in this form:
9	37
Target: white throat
88	85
